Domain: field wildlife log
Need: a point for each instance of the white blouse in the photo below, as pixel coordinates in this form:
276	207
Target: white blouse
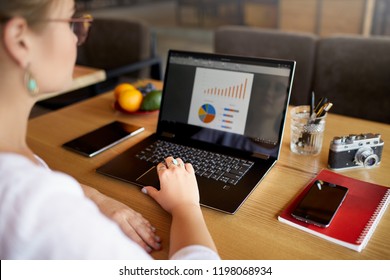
45	215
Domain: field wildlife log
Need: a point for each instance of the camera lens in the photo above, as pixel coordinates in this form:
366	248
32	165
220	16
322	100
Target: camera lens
370	161
366	157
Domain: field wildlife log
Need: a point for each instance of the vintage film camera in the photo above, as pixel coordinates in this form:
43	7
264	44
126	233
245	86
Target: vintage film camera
355	150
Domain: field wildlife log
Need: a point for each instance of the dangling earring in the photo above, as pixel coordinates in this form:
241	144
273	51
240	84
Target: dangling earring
30	82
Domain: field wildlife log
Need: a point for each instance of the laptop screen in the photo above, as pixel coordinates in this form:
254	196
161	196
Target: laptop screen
235	102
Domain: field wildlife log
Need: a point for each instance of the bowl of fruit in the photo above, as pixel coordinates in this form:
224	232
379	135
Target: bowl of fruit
137	99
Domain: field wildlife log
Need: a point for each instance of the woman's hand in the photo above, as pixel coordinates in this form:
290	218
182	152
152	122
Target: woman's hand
132	223
178	186
179	196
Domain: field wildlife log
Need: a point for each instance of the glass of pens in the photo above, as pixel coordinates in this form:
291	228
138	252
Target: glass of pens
307	128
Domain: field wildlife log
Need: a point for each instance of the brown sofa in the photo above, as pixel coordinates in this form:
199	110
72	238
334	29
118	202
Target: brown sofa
352	71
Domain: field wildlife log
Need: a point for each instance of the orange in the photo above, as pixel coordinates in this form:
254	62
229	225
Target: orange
122	87
130	100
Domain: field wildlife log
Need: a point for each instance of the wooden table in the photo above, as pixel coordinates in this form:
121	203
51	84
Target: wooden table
83	76
254	231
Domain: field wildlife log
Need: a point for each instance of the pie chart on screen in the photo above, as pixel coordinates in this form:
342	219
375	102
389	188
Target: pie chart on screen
206	113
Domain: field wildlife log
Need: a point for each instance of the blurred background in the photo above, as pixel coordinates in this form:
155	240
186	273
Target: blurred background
130	39
189	24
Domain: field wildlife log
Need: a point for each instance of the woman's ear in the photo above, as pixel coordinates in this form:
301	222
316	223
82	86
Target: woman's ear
16	40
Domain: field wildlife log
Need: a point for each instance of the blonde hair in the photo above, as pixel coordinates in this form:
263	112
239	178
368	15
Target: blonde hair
32	10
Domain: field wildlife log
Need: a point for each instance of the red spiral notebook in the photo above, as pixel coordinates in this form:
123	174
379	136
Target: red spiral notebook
357	217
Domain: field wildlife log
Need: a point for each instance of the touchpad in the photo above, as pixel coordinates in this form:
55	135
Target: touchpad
149	178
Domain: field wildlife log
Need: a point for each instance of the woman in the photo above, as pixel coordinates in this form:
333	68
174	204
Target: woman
46	214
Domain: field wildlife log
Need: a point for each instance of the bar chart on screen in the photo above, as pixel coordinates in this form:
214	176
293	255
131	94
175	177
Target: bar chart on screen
234	91
220	99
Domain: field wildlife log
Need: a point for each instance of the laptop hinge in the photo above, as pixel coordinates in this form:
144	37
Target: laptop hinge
168	134
261	156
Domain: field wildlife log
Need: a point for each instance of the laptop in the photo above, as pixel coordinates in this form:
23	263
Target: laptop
225	115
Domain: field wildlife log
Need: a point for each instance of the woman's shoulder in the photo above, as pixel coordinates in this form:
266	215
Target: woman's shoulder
35	201
19	174
9	161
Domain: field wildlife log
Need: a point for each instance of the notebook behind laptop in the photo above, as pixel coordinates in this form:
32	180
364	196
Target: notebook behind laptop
223	109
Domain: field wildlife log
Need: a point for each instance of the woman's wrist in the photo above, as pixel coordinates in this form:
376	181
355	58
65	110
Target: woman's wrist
184	208
93	194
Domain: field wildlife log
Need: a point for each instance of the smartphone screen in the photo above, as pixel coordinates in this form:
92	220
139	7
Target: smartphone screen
320	203
101	139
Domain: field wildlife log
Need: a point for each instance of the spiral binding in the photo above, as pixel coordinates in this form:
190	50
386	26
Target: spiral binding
374	220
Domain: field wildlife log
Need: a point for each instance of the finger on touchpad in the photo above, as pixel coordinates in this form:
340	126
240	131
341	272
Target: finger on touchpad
149	178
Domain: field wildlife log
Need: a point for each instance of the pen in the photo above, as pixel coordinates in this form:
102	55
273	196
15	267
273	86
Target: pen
325	108
322	101
322	111
312	103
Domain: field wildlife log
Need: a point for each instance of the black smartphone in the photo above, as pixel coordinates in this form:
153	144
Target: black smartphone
102	138
320	204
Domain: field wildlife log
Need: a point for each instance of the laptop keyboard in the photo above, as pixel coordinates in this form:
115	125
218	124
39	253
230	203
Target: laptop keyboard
206	164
